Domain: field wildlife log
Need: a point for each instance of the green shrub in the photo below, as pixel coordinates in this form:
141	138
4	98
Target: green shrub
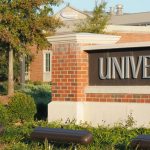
41	94
105	137
22	107
17	146
3	115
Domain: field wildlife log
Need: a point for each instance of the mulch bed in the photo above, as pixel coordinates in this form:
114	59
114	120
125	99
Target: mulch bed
2	146
4	99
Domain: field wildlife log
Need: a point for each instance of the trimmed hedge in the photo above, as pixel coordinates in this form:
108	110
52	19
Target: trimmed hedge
41	92
21	108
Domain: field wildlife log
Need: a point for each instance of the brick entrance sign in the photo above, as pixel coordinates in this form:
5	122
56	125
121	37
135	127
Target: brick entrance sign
83	91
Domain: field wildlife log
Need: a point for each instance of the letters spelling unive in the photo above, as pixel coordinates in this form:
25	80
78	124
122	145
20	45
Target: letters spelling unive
126	68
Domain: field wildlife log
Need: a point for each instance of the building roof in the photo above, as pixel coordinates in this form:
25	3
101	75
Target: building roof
135	19
127	19
127	29
70	13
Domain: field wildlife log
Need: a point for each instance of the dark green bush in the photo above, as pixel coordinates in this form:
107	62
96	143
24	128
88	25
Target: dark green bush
22	107
41	94
3	115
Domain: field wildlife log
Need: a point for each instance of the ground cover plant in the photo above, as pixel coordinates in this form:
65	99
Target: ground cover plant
117	137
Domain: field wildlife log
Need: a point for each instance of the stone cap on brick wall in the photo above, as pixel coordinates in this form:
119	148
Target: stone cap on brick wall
86	38
116	46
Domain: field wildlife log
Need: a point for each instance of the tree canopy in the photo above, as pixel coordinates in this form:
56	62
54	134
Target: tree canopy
96	22
23	24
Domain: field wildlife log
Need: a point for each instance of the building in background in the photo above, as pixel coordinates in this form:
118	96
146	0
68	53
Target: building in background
119	21
134	27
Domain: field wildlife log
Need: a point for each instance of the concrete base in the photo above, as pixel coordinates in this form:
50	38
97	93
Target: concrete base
97	113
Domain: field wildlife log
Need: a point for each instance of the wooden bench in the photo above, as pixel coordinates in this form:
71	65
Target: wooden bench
62	135
141	142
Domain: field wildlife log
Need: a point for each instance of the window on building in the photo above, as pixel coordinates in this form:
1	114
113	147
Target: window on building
47	62
28	60
47	65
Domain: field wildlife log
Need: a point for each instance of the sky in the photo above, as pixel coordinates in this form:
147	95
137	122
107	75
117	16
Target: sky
129	6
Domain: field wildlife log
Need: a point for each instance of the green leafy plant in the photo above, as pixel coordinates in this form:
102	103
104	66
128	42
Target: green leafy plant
22	107
117	137
105	137
21	26
18	146
41	93
95	23
3	115
130	122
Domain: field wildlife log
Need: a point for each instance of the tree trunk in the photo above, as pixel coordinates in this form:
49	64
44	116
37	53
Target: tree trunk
22	70
10	73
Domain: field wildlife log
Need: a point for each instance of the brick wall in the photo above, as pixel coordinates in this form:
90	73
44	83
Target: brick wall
36	66
133	98
133	37
70	74
136	98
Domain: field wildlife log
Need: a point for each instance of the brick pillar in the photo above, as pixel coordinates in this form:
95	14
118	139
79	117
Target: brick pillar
70	72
